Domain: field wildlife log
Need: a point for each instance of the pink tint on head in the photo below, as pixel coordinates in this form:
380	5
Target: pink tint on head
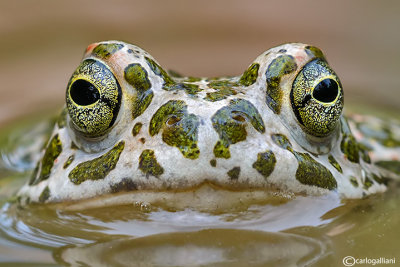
90	47
301	57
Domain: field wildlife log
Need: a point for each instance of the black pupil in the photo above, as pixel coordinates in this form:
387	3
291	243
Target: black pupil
84	93
326	91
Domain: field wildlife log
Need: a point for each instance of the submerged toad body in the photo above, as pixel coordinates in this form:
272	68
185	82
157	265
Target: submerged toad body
129	126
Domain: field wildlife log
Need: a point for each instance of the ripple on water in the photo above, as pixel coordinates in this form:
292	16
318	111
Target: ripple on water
227	247
120	234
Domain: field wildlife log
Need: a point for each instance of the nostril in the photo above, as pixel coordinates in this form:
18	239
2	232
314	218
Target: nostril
239	118
173	120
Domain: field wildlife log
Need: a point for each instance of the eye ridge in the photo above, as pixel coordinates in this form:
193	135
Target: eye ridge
326	91
84	93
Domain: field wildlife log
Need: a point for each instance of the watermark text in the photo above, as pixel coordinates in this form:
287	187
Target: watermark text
351	261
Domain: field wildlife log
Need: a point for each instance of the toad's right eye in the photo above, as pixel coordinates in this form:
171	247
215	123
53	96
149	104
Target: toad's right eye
93	98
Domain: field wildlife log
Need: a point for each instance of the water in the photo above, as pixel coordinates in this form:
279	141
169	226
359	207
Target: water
312	231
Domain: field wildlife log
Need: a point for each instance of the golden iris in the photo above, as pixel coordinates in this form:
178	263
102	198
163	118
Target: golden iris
93	98
317	98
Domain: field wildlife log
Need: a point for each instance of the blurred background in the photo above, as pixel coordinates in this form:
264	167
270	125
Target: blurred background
42	42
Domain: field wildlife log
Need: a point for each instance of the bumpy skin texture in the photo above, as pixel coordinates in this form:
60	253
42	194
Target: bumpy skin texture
139	128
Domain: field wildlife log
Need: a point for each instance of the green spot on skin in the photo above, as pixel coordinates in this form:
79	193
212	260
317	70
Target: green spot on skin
379	179
106	50
61	121
265	163
314	52
353	181
282	141
44	195
230	123
74	146
382	134
213	162
69	161
141	103
148	163
309	171
335	164
279	67
34	173
390	165
368	183
364	153
175	74
97	168
192	79
179	128
169	83
350	147
223	90
242	108
190	89
52	152
234	173
390	141
136	128
125	185
221	150
138	78
249	77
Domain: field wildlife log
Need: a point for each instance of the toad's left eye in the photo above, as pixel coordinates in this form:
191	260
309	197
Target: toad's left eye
317	98
93	98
